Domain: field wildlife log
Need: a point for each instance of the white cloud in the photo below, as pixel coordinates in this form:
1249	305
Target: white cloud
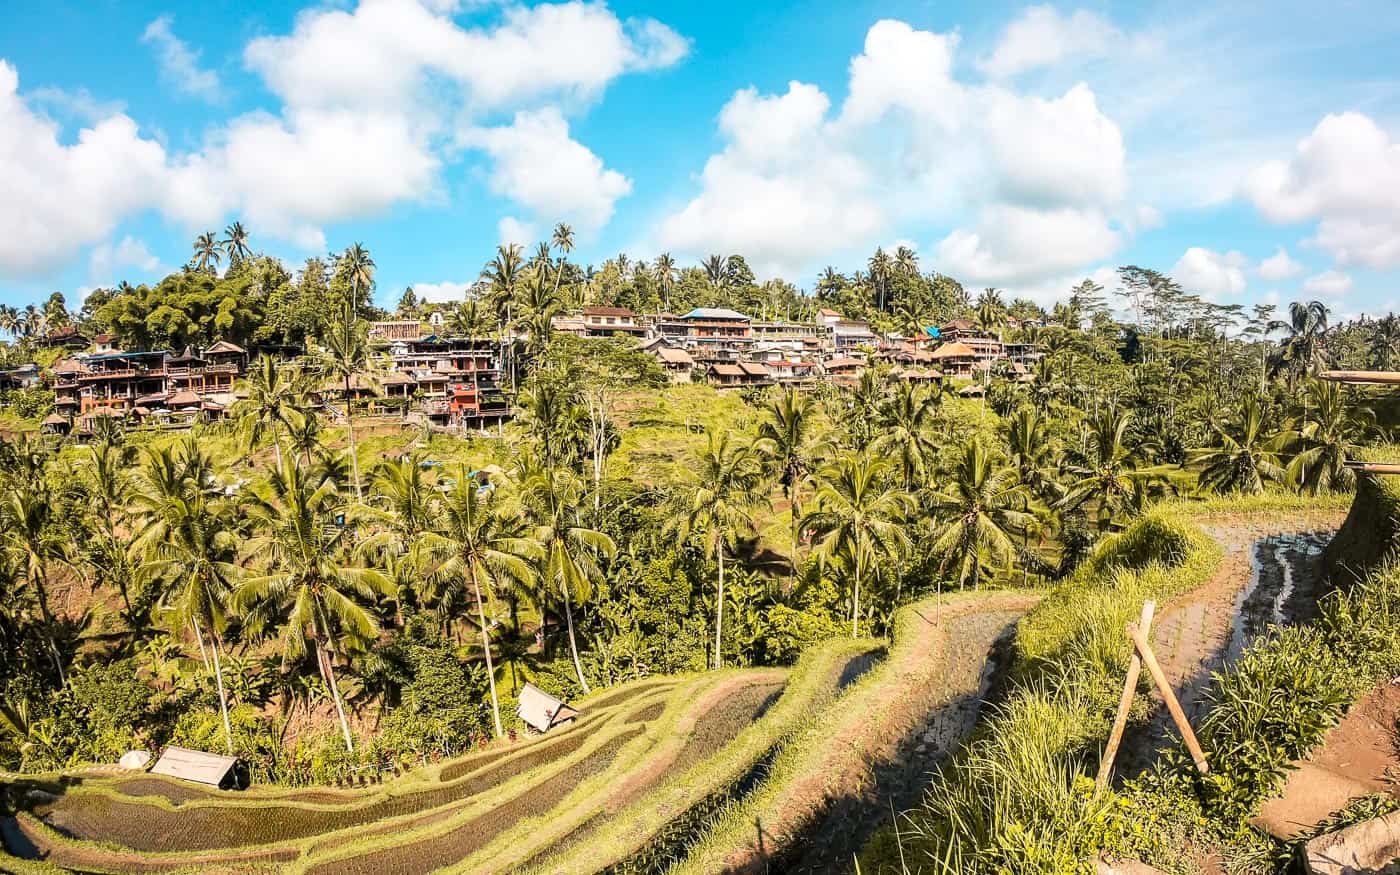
1279	266
107	258
61	197
539	166
441	293
179	64
1329	283
1062	151
1044	36
1019	246
1210	273
1346	176
511	230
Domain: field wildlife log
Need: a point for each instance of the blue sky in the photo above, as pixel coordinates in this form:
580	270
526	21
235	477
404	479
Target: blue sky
1253	151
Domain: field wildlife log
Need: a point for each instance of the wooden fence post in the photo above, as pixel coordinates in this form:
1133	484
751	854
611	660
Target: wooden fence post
1125	702
1173	706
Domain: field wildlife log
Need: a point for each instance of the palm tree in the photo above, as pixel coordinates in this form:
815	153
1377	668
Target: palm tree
563	240
906	260
569	564
502	273
311	584
782	439
1331	436
982	504
1028	440
1300	353
186	542
271	400
716	271
1104	470
32	536
859	517
346	354
665	278
1249	454
881	268
235	244
906	418
727	478
108	464
475	545
206	253
361	273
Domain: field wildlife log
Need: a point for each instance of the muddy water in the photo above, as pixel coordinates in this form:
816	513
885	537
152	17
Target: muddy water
1283	588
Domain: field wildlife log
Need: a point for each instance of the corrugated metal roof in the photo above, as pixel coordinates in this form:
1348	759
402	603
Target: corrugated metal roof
194	765
540	710
715	313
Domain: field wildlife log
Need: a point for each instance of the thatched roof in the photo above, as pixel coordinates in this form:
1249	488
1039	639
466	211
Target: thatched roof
956	349
194	765
541	711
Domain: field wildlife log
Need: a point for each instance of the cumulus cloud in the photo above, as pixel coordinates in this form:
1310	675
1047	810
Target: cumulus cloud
107	258
539	166
1210	273
441	293
1279	266
1346	176
795	182
60	197
179	64
1044	36
1329	283
512	230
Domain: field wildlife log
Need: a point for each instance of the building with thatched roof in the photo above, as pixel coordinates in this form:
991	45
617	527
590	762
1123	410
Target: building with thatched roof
199	766
541	711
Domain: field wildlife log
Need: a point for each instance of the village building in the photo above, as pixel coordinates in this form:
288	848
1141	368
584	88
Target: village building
399	329
66	337
788	372
21	377
739	375
608	321
955	358
543	712
214	770
850	336
709	328
574	325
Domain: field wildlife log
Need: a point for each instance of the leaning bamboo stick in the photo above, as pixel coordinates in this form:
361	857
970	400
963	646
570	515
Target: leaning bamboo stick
1374	467
1125	702
1173	706
1363	378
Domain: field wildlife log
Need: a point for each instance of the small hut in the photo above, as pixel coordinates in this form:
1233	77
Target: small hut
541	711
198	766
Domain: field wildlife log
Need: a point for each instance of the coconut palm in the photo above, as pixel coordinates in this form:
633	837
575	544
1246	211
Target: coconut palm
726	480
35	542
981	505
1249	452
716	272
270	403
360	269
309	582
344	355
1028	440
1331	435
906	420
207	253
665	268
1301	351
186	542
563	240
474	546
1102	472
569	565
235	244
107	473
858	517
782	439
881	270
906	260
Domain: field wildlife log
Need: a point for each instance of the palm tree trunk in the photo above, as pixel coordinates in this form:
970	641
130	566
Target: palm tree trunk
42	592
223	696
719	610
855	606
573	646
486	648
329	671
350	431
199	639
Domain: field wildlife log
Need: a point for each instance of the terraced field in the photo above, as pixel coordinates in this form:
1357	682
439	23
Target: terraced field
656	774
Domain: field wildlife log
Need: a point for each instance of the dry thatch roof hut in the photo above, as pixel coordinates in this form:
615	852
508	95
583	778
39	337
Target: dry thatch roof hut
196	765
541	711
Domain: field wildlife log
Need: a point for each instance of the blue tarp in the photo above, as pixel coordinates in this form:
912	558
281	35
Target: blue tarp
931	331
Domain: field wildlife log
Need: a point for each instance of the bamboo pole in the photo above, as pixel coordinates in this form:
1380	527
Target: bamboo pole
1362	378
1173	706
1374	467
1125	702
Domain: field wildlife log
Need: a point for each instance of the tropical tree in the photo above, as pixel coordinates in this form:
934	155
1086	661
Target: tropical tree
235	244
186	542
727	476
1300	352
107	474
782	439
569	564
207	253
309	582
345	355
1103	470
981	504
563	240
1248	454
858	518
665	268
1331	435
36	544
475	545
269	404
1028	440
906	419
360	271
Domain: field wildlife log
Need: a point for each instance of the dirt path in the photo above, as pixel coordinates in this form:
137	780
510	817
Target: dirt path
1270	575
885	743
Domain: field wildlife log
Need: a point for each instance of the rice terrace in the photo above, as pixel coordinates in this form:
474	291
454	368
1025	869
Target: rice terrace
622	438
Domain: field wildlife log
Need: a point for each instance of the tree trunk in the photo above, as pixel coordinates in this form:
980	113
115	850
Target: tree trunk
486	648
335	695
855	606
573	646
223	696
350	432
719	610
42	592
199	639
